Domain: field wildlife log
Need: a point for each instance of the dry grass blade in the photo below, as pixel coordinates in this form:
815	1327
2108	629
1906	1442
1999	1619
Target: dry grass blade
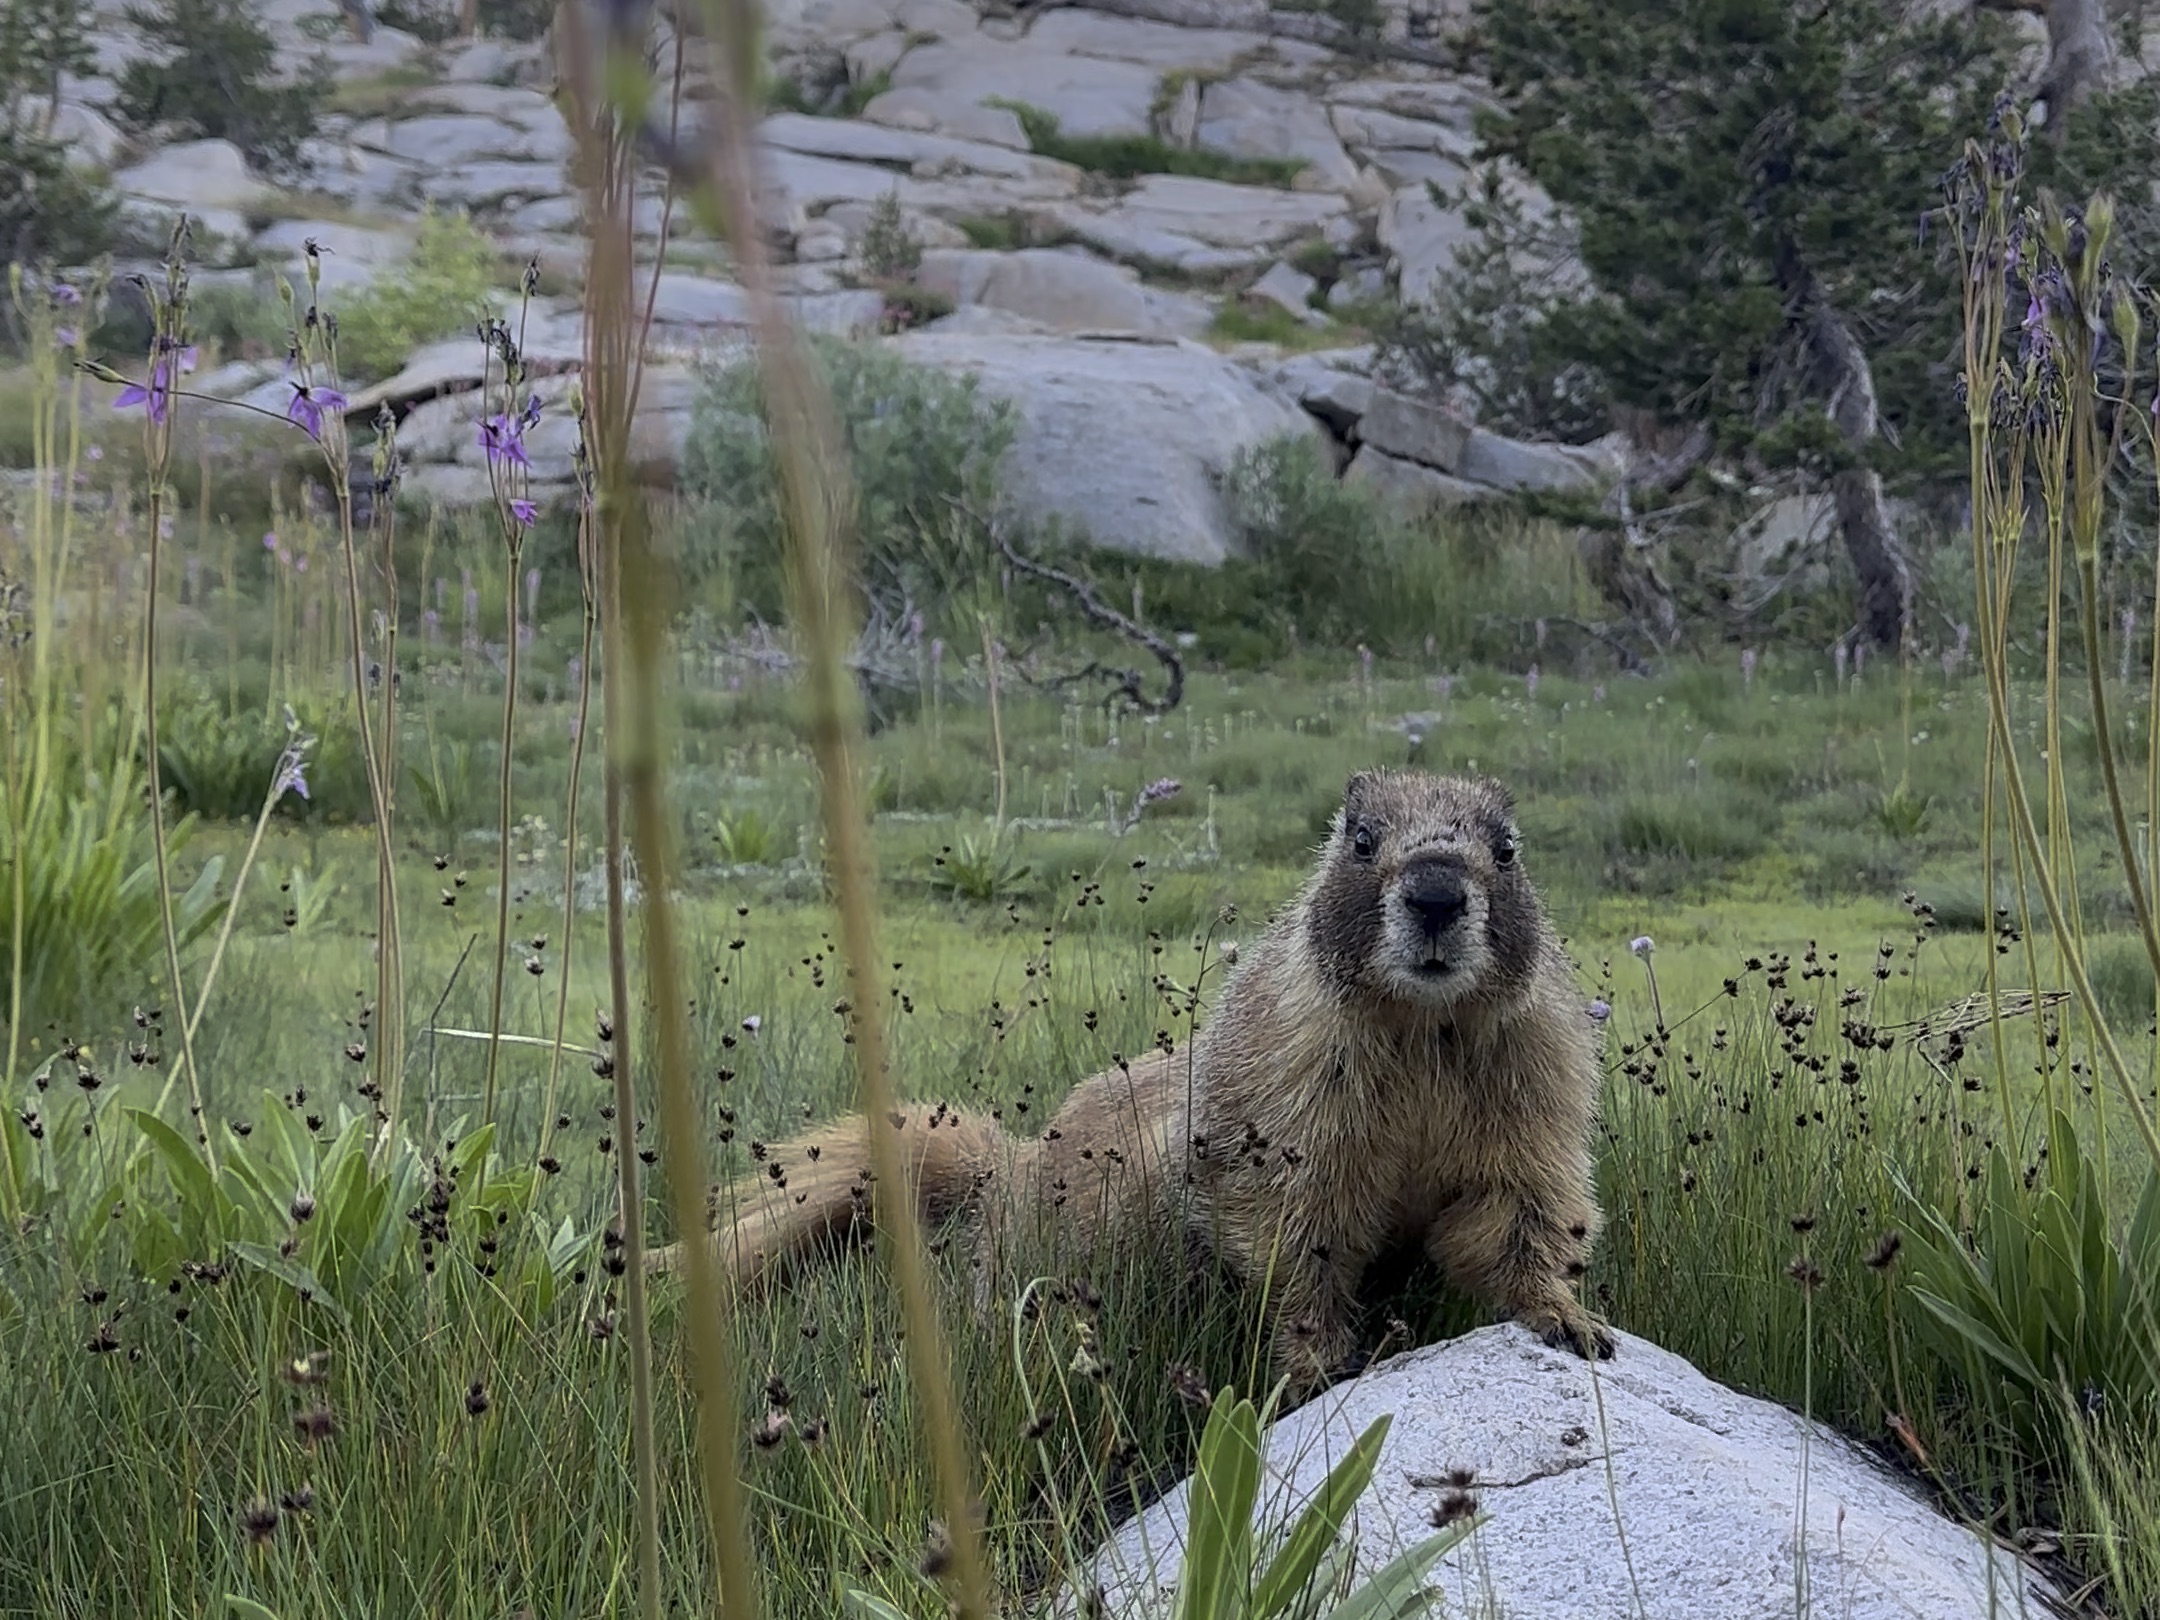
816	500
1970	1014
634	633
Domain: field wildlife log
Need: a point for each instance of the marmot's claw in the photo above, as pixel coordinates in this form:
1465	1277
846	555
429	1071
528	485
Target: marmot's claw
1579	1333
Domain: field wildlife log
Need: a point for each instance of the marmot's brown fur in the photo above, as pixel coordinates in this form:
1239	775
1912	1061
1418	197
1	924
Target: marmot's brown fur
1403	1055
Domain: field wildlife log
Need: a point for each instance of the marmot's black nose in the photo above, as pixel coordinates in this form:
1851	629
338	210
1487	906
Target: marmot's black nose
1438	897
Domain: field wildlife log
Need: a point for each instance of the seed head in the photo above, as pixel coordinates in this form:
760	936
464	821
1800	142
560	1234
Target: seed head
1886	1250
937	1553
1452	1508
315	1424
1189	1387
1805	1272
260	1520
476	1399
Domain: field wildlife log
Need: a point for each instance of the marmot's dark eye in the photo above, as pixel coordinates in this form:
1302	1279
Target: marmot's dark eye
1363	842
1504	852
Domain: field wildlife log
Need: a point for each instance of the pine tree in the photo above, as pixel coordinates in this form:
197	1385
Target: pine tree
218	79
1747	180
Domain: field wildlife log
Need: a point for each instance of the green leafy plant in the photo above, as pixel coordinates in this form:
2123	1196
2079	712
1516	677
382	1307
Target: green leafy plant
1903	812
1219	1580
447	286
983	870
90	918
447	789
923	448
213	73
749	837
319	1217
303	897
2048	1307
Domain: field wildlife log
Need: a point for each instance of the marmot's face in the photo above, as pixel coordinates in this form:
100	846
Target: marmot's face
1422	896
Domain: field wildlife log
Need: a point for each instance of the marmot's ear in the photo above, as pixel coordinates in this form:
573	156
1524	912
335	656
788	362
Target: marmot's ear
1355	790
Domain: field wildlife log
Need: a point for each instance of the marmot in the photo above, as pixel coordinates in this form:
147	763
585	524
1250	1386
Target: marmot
1404	1054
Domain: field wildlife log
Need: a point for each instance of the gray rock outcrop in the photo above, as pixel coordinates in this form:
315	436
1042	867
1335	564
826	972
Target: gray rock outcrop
1659	1492
1123	439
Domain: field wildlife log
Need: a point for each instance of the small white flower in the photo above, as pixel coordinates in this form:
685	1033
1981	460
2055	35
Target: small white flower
752	1023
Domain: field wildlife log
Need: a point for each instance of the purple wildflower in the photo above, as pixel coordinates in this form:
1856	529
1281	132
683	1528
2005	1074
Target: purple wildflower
502	439
292	773
310	405
66	336
523	512
271	543
1599	1010
155	396
1162	788
1642	945
1747	666
531	413
65	296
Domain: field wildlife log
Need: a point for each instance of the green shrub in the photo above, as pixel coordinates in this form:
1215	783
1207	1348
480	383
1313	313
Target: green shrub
90	925
1689	826
2122	980
446	287
48	209
889	249
217	764
1127	157
213	76
921	446
437	21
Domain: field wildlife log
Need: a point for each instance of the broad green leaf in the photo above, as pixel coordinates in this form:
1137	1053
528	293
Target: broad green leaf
1218	1549
854	1600
191	1178
1319	1524
1397	1589
294	1275
248	1608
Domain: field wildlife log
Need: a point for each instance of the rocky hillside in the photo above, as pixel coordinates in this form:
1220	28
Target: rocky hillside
1027	159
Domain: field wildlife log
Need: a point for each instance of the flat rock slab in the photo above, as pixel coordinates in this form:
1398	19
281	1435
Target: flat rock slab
1223	215
1061	291
1124	439
1733	1508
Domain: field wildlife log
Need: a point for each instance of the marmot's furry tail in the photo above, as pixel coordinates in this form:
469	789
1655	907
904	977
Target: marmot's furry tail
822	1195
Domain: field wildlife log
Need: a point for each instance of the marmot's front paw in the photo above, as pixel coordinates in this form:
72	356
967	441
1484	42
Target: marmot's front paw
1570	1327
1310	1353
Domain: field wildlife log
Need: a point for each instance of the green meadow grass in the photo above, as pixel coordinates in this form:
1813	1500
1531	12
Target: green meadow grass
1727	821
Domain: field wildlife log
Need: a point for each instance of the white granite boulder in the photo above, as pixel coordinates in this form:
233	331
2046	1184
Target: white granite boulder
1732	1508
1124	439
